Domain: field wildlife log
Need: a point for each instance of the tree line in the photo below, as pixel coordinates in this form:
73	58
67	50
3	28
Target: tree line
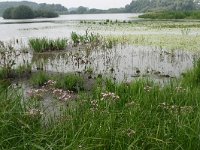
25	12
154	5
58	8
137	6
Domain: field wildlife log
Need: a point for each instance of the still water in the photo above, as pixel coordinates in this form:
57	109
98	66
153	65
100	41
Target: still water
53	27
121	62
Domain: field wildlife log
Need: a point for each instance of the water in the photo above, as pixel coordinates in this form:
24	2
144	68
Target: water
51	27
122	62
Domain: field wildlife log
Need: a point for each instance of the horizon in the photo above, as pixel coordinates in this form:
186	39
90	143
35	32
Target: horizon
86	3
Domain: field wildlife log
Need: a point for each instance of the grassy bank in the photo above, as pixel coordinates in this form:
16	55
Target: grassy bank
136	115
172	15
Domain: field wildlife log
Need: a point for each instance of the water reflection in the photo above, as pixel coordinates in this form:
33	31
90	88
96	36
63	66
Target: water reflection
123	61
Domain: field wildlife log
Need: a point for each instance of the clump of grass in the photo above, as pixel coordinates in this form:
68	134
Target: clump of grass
192	77
38	79
23	70
87	38
70	82
44	44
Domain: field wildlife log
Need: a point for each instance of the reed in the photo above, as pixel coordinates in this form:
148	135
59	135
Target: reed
40	45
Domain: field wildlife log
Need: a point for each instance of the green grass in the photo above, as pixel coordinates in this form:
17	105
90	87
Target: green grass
15	73
43	44
38	79
70	82
87	38
136	115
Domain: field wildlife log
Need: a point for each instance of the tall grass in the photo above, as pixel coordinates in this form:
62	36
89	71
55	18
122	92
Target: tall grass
87	38
44	44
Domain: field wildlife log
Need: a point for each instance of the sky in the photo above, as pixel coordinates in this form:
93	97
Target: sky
101	4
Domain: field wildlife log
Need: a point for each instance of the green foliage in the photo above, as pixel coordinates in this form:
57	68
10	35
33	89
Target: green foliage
38	79
192	77
22	12
152	5
34	6
172	15
25	12
70	82
45	14
8	13
93	39
44	44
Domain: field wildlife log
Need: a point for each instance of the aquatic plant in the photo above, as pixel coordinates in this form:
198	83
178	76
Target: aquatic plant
87	38
8	67
70	82
44	44
38	79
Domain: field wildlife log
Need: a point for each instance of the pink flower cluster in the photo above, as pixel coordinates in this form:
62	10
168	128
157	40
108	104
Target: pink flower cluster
34	112
109	95
49	87
147	88
180	89
62	95
176	109
37	93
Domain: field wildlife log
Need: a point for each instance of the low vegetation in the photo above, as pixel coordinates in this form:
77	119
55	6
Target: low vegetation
91	38
43	44
172	15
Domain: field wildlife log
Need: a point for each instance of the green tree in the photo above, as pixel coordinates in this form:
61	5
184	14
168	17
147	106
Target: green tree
82	10
22	12
8	13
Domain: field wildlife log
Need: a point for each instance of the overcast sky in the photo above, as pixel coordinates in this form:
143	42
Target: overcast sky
102	4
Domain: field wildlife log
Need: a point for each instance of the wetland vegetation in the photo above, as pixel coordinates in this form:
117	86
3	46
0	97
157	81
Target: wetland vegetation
134	86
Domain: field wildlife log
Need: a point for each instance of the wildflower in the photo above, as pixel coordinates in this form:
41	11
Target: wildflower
147	88
109	95
130	132
174	109
34	112
180	89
